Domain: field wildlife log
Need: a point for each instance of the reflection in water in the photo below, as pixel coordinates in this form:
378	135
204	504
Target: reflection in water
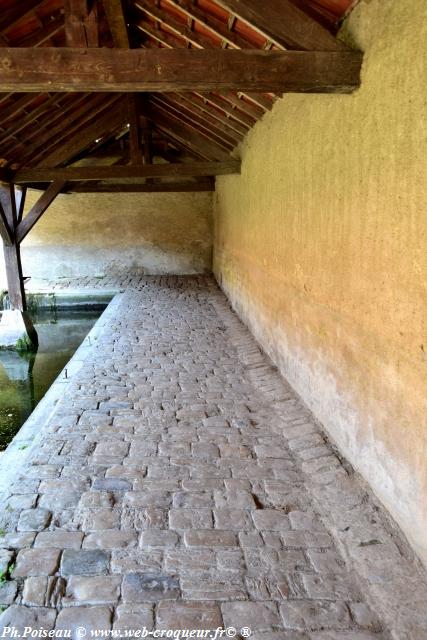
25	377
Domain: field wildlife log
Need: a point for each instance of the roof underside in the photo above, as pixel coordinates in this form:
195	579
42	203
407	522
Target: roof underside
91	129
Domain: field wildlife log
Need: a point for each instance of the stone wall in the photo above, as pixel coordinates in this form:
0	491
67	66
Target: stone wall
320	245
99	234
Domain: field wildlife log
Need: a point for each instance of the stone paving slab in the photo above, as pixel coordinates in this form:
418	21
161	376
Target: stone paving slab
182	484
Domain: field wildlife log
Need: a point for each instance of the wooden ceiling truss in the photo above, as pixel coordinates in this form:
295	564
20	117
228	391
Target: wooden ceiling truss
146	95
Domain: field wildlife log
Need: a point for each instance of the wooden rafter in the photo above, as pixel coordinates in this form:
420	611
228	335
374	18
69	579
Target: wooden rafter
96	122
284	24
217	28
29	118
211	116
192	119
187	136
40	135
232	107
19	104
54	26
22	9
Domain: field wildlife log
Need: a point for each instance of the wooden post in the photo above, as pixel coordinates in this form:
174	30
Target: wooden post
147	131
12	252
15	280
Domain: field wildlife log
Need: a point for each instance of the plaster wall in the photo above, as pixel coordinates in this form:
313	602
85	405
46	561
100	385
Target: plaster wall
106	234
320	245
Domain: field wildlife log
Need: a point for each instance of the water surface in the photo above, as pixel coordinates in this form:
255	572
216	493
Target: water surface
25	377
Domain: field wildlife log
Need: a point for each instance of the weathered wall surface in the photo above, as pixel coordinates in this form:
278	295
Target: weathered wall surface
97	234
321	245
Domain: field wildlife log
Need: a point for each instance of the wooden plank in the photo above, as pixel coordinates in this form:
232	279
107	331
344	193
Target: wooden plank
284	24
81	23
76	174
38	209
207	184
162	70
117	23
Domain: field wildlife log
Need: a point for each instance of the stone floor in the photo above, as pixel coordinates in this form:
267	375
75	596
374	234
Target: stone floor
181	484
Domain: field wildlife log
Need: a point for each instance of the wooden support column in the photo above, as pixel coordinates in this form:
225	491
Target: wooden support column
13	230
135	131
81	23
147	130
11	250
15	278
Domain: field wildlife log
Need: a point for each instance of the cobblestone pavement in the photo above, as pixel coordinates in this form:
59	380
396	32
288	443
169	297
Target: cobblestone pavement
182	484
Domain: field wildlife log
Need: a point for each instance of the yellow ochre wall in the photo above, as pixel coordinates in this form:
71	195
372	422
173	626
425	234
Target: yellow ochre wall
98	234
321	246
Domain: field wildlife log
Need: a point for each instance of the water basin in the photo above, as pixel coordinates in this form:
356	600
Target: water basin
25	377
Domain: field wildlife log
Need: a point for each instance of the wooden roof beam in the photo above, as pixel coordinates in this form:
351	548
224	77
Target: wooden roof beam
77	174
204	184
163	70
